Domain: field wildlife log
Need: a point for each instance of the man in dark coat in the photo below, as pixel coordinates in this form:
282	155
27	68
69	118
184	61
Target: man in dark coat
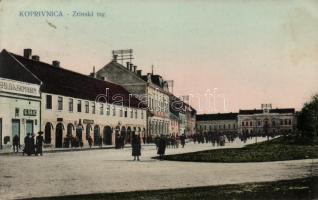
16	143
182	139
161	147
26	148
39	144
100	139
90	141
32	144
136	147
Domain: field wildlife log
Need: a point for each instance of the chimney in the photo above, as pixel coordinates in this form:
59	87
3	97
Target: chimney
36	58
115	58
27	53
93	74
135	67
149	77
56	63
139	73
127	65
131	66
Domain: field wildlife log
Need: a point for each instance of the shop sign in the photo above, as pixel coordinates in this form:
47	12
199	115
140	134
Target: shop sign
88	121
17	87
29	112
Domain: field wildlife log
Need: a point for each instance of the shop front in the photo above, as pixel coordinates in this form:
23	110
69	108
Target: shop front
20	110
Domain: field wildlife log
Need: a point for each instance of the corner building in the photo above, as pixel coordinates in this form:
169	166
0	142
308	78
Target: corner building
73	104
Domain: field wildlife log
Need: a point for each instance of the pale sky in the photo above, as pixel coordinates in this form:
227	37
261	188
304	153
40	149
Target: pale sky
254	52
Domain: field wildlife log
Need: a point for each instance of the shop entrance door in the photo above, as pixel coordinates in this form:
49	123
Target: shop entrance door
29	126
16	128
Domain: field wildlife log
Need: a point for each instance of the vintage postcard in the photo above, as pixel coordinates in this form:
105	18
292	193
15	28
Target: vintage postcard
180	99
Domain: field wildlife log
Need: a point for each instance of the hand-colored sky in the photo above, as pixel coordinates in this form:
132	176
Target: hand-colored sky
253	51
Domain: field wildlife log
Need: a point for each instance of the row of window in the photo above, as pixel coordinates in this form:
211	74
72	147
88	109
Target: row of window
133	113
159	106
220	126
259	123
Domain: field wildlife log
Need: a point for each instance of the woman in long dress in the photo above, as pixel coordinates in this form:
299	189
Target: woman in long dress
136	147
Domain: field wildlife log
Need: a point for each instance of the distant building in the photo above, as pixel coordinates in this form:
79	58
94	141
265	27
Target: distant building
257	121
63	103
222	123
267	120
185	113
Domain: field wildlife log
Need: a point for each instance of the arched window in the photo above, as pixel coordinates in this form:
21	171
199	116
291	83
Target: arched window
96	135
59	135
47	133
88	131
70	128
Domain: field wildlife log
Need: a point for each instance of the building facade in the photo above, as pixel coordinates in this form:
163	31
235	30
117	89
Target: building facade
264	121
69	104
267	121
20	110
20	101
150	89
222	123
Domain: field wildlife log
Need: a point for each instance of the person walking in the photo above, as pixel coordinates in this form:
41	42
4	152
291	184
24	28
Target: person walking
136	147
26	144
100	139
90	141
16	143
182	138
161	147
32	144
39	143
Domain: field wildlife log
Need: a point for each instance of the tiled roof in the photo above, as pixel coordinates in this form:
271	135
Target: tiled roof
218	116
154	79
250	112
11	69
282	110
64	82
260	111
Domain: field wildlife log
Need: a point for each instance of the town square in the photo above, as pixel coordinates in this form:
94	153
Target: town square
158	100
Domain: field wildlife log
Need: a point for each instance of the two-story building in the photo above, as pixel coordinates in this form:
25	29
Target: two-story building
223	123
267	120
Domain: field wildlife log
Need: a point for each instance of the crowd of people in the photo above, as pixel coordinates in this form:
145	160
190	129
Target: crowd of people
171	141
32	144
73	142
216	139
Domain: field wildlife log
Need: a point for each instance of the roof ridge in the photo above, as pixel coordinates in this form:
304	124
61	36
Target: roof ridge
10	54
64	69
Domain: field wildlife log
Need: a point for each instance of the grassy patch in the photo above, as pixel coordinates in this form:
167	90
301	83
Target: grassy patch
274	150
306	188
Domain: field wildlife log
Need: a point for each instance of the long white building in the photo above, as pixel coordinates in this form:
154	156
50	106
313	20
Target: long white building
63	103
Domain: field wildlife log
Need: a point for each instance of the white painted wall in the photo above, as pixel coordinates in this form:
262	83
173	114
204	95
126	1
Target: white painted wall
8	104
51	115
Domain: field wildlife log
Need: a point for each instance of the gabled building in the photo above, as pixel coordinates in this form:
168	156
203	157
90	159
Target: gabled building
72	104
150	89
